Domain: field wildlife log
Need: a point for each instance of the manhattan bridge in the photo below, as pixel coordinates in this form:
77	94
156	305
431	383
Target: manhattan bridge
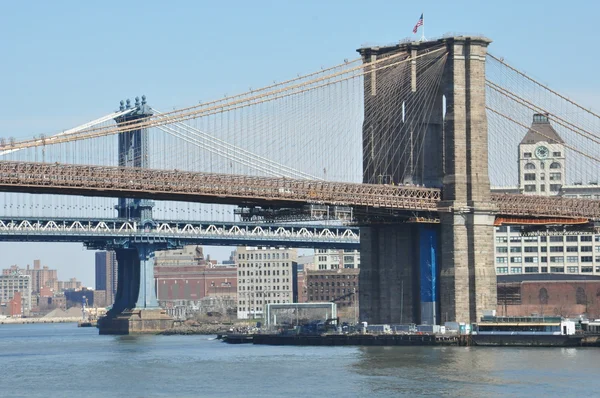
396	152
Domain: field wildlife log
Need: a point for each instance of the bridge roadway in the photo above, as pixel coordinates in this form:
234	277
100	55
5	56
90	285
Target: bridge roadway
15	229
112	181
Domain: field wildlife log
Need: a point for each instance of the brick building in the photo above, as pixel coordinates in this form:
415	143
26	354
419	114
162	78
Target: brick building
194	282
338	285
564	295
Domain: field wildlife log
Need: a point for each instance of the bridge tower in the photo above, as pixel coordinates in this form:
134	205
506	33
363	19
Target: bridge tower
135	309
444	272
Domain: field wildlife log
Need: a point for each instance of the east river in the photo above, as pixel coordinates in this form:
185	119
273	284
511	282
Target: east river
61	360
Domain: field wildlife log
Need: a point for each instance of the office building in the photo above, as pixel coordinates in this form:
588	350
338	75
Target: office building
106	277
328	259
543	166
265	275
13	285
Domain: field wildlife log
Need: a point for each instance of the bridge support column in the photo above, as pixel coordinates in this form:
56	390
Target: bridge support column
135	309
467	278
398	273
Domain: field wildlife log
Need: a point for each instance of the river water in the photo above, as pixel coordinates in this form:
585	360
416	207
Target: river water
61	360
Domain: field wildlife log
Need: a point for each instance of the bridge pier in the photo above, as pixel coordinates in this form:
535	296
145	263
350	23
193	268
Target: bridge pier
398	273
455	157
135	309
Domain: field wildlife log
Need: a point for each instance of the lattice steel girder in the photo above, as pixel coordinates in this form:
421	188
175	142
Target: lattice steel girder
176	185
206	187
546	206
192	232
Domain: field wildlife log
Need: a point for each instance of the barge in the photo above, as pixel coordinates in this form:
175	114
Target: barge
525	332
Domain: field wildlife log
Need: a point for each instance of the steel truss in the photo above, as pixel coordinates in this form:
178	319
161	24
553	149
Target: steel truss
185	232
201	187
111	181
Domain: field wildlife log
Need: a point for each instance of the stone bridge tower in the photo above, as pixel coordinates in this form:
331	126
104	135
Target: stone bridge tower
435	272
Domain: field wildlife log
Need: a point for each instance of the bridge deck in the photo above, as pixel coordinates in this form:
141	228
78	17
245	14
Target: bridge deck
111	181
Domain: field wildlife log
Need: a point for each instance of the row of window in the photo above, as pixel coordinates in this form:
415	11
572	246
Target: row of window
533	188
544	249
544	259
535	270
554	239
528	155
532	177
263	256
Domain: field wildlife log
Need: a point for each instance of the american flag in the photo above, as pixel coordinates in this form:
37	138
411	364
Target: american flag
419	23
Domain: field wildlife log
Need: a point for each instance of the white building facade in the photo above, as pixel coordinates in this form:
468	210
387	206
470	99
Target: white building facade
265	275
16	282
328	259
542	171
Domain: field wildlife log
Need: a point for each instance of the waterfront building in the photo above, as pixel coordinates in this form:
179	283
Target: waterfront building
187	282
340	286
543	166
265	275
13	285
40	276
327	259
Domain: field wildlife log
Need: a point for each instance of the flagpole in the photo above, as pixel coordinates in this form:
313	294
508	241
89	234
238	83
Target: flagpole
423	29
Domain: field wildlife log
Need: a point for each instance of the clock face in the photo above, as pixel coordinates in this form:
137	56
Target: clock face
542	152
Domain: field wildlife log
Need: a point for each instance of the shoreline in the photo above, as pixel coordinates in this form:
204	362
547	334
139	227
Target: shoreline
24	321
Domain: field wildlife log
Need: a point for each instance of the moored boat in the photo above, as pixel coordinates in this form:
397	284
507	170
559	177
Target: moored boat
525	331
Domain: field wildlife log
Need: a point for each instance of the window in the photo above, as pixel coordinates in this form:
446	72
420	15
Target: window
571	249
543	296
542	187
501	260
544	249
580	296
556	154
529	270
515	249
586	259
572	259
502	229
502	270
555	187
555	165
516	260
557	259
515	239
556	249
529	176
529	188
587	249
501	249
556	239
527	155
501	239
531	259
532	249
557	269
586	269
585	238
515	270
544	269
529	166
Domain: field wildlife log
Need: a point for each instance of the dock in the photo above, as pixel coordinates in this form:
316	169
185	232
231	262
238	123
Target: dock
348	339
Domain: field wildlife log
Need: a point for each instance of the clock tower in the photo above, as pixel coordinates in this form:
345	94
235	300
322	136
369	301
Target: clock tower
541	159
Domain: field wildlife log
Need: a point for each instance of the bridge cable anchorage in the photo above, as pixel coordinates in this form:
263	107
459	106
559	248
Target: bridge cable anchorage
198	111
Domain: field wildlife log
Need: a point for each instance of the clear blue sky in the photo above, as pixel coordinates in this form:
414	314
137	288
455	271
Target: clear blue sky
63	63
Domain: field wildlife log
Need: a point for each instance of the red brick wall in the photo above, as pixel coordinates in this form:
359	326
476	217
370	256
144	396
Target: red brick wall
562	299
